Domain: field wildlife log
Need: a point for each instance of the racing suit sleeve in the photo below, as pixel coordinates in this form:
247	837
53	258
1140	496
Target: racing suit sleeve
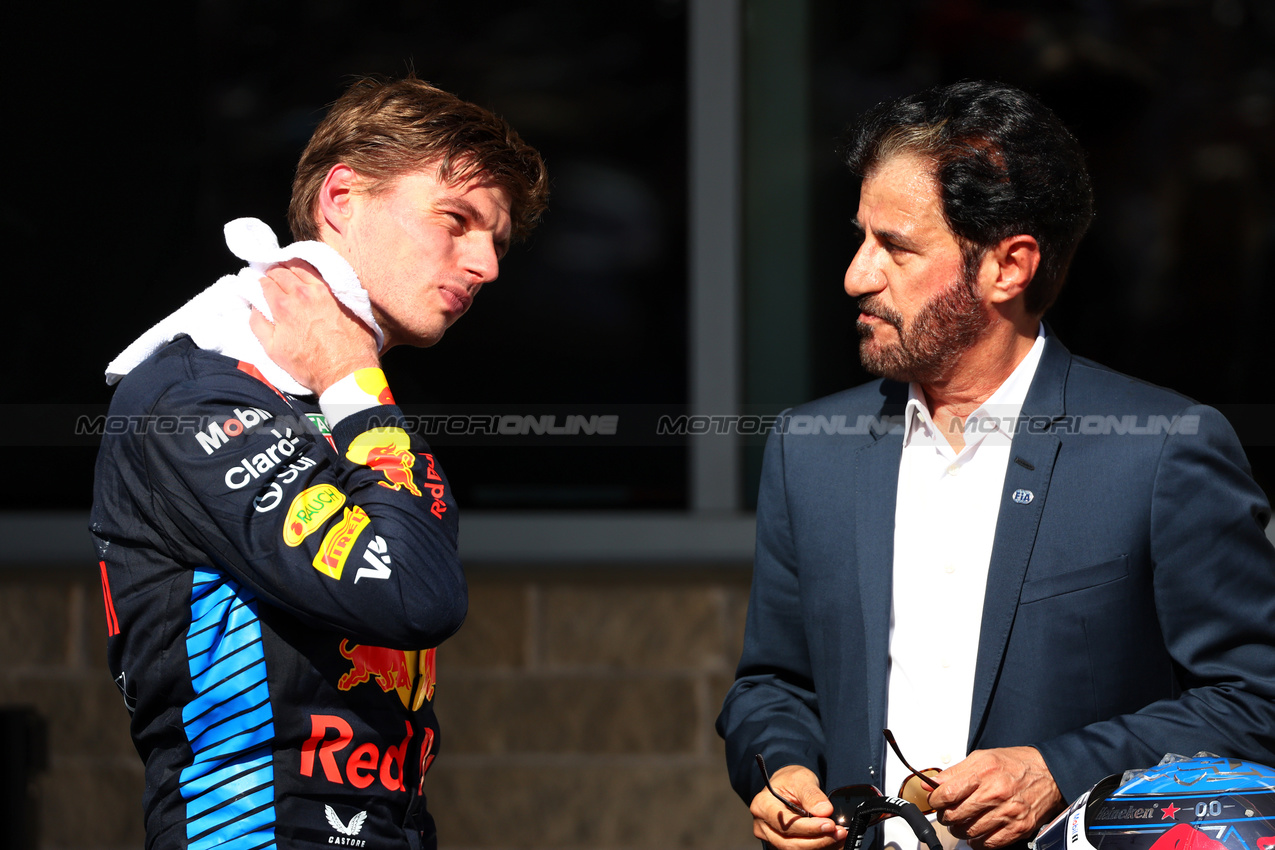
355	534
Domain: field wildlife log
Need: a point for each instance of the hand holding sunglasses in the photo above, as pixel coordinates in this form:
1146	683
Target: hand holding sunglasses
917	787
857	807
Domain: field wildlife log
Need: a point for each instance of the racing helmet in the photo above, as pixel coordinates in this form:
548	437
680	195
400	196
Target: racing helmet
1201	803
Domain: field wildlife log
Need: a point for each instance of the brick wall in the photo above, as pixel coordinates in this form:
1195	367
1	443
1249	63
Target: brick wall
576	705
53	641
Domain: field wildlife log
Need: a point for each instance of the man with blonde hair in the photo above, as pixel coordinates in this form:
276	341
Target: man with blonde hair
278	552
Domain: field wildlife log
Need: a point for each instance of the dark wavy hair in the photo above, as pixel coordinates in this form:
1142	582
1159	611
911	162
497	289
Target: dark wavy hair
1005	165
385	129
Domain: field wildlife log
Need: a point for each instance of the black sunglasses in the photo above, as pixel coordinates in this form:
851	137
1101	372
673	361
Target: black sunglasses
857	807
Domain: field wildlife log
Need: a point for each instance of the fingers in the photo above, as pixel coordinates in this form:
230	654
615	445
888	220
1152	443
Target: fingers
295	287
803	786
295	279
989	832
996	797
294	272
788	831
285	280
917	791
311	335
775	824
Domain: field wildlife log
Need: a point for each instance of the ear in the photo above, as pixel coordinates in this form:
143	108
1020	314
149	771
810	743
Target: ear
1015	260
336	196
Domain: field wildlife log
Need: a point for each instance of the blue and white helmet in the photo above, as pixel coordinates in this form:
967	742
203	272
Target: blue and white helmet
1202	803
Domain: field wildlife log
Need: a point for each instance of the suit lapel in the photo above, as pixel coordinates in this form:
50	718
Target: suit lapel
1031	465
876	484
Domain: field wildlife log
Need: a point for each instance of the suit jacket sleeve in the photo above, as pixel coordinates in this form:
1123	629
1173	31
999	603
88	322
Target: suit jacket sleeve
772	708
1214	588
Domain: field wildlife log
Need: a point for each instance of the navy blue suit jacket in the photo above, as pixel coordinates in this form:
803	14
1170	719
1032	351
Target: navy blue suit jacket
1130	604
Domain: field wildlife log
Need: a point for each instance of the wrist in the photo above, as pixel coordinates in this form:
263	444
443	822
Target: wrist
361	389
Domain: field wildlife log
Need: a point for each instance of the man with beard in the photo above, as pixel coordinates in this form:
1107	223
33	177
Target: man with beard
1036	571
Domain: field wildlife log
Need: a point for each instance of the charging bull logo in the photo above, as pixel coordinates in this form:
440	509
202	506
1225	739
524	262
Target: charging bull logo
389	452
393	669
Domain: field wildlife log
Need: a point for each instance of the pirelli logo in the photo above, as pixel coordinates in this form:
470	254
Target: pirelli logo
337	543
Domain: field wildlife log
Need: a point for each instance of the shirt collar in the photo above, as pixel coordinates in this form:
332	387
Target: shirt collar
1002	406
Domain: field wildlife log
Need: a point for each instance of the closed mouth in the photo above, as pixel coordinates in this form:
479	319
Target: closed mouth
460	294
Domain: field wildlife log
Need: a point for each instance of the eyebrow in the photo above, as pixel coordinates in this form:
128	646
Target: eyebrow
892	236
501	240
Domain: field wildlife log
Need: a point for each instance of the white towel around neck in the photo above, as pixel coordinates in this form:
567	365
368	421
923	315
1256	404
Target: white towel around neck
217	318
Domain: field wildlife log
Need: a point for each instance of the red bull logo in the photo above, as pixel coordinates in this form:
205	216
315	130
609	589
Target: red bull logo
427	759
393	669
435	489
396	465
363	766
388	451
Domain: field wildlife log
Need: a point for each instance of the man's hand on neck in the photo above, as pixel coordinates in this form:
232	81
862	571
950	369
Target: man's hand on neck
314	337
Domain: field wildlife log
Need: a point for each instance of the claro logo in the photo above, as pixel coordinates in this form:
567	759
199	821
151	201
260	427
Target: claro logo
309	510
242	474
364	764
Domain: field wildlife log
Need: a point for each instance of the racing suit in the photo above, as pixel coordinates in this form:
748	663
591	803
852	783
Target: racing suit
274	590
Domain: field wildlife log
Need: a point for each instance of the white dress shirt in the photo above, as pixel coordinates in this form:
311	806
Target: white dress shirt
944	524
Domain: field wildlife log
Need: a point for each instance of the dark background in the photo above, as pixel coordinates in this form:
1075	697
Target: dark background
145	136
1174	101
132	139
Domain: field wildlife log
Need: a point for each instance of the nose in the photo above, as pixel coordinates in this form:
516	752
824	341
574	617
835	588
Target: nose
480	260
862	275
